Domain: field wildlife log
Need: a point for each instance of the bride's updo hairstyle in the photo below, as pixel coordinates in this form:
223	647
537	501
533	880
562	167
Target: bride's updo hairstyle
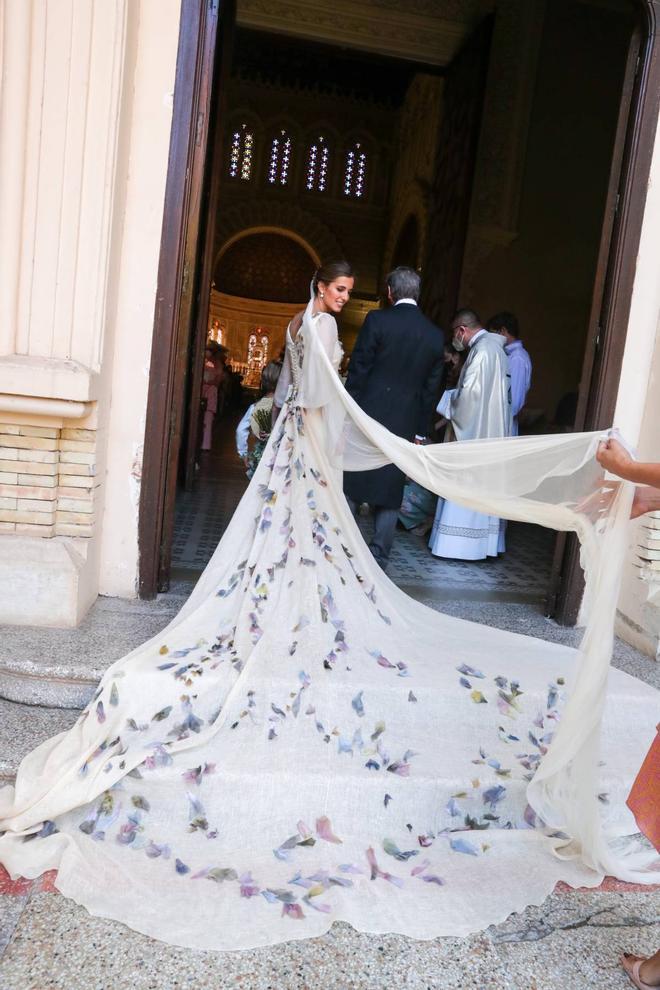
330	272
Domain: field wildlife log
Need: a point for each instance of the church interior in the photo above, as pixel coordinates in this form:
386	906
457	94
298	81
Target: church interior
473	140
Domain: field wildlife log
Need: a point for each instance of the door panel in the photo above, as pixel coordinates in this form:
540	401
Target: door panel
206	252
197	66
603	351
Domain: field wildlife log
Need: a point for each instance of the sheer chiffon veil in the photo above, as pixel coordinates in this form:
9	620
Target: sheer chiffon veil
553	481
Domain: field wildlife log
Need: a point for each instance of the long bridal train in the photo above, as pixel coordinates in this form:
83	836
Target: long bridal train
305	744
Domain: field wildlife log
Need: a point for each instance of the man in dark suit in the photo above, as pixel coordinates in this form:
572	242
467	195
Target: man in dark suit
395	375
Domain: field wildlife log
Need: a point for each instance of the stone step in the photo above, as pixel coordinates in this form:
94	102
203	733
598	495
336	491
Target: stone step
22	727
59	668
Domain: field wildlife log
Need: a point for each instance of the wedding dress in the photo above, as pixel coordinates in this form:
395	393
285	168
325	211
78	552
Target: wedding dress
305	744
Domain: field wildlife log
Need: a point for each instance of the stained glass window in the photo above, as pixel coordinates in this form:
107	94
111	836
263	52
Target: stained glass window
280	159
241	152
318	160
355	171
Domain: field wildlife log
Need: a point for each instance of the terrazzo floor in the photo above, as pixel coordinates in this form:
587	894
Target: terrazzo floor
570	942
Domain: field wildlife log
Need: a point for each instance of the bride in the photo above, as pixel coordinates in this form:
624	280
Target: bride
305	744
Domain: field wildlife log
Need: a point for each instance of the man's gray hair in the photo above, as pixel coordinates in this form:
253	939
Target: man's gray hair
403	283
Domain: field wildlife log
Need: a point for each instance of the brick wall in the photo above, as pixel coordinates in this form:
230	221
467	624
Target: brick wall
48	480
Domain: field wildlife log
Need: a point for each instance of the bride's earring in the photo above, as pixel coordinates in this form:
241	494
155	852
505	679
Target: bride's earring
321	294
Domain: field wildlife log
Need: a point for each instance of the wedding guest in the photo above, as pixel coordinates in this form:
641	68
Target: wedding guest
395	375
644	973
253	431
213	380
520	363
479	407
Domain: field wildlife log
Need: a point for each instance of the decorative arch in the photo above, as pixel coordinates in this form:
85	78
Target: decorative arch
266	229
265	263
254	215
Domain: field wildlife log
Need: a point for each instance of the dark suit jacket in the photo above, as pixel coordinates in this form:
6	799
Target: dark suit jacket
395	375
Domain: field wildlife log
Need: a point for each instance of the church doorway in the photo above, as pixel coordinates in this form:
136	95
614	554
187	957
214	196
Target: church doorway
497	157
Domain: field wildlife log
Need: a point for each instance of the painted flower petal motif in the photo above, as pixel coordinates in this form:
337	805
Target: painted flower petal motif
248	887
292	911
219	874
393	850
324	830
162	714
400	768
351	868
463	846
470	671
156	851
357	704
376	871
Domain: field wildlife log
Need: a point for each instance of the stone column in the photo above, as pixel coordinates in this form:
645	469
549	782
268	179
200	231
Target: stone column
60	114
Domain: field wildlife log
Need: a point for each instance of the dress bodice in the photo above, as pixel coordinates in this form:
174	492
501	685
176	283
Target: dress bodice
296	352
323	327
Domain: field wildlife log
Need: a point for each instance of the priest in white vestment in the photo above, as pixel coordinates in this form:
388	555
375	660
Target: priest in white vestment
479	407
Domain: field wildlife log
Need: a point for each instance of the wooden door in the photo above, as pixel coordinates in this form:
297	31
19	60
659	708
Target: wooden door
451	192
206	257
198	67
606	332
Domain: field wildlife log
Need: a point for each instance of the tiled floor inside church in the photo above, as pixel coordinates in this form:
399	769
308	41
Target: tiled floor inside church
522	574
570	942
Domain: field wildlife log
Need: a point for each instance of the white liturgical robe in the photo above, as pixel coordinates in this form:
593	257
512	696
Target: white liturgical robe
478	408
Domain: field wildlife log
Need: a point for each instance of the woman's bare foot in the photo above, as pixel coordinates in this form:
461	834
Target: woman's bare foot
647	973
